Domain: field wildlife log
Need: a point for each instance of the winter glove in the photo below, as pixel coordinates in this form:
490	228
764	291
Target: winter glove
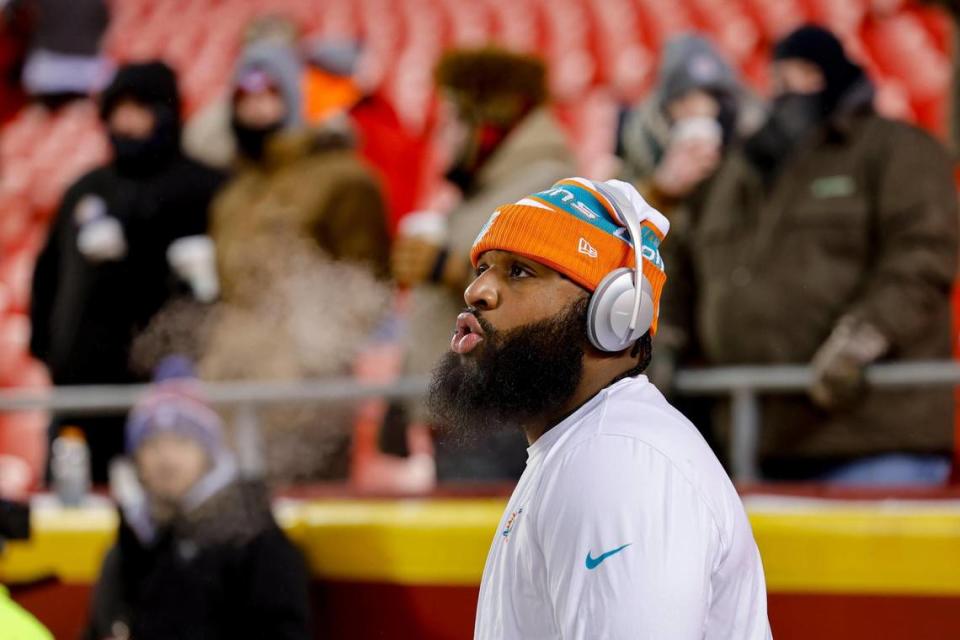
194	260
420	255
101	237
838	366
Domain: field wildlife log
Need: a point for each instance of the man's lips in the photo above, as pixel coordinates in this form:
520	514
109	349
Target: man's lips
468	335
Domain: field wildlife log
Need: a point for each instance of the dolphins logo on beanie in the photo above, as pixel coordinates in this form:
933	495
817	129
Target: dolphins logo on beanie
572	228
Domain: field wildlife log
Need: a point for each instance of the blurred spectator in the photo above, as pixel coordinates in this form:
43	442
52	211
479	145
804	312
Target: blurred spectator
673	141
830	239
65	61
105	269
672	144
198	554
331	93
207	135
296	187
509	146
332	89
301	239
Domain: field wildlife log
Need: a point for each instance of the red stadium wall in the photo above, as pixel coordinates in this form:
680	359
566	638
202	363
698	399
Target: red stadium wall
354	611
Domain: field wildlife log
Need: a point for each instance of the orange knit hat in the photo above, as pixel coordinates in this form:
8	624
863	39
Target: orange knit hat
572	228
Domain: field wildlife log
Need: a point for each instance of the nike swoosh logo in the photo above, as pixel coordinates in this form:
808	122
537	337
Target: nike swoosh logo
593	563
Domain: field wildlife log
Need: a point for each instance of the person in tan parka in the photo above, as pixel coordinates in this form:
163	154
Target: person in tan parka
302	250
511	146
293	184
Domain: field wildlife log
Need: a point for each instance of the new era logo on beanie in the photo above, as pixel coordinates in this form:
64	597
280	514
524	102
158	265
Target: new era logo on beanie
573	229
587	249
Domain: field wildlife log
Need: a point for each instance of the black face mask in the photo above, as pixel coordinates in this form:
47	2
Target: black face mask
793	117
252	141
144	156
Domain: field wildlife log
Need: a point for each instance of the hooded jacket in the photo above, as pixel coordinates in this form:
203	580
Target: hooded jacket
861	220
222	570
281	64
689	62
85	313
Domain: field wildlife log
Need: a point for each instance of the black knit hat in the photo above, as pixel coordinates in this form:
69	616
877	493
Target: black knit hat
149	83
821	48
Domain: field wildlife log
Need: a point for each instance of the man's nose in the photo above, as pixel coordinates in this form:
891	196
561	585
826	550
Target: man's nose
483	293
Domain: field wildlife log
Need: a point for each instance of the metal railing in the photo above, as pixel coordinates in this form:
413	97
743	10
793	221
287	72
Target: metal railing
743	384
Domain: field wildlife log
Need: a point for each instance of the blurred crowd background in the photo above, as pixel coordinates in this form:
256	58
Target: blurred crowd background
286	190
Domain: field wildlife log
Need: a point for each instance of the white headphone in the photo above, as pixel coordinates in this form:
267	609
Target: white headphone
620	312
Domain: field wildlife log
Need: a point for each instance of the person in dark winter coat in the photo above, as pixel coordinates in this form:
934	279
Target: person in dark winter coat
673	141
198	554
829	239
672	144
104	271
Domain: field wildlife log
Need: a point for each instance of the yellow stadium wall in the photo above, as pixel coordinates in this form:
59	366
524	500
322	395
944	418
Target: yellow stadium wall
410	568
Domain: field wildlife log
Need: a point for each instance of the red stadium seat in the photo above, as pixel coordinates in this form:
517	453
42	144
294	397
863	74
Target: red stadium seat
5	299
663	20
15	219
370	469
893	100
14	341
515	24
23	436
775	18
16	272
903	48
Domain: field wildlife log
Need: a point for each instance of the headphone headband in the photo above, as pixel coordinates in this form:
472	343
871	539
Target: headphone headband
627	218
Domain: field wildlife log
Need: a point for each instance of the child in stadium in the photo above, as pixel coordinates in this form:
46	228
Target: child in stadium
199	555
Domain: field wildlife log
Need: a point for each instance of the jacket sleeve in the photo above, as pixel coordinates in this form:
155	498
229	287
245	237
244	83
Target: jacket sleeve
276	603
43	289
107	602
676	328
916	239
156	214
356	228
628	544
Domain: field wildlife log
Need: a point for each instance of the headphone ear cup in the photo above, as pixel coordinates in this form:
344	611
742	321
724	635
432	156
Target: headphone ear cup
611	309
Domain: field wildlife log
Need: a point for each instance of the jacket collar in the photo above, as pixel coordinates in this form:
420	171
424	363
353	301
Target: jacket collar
292	145
539	131
856	103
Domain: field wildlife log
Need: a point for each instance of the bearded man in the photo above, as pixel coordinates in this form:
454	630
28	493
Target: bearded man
623	524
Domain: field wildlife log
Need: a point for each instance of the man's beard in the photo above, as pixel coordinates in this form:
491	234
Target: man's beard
514	377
